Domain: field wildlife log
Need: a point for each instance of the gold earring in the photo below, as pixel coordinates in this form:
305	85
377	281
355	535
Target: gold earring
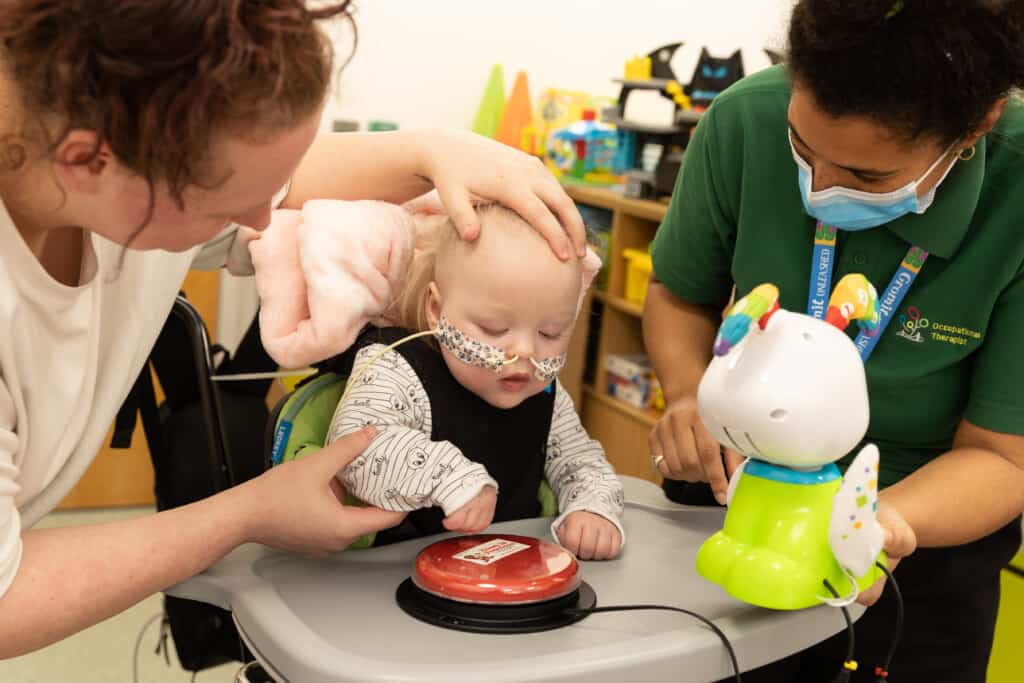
967	153
13	157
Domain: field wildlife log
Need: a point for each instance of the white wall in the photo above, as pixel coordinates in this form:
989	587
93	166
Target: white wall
426	62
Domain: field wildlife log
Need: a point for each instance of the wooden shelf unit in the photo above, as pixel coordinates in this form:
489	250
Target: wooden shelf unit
621	428
620	304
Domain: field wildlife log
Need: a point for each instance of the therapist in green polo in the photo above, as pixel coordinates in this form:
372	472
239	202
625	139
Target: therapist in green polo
896	124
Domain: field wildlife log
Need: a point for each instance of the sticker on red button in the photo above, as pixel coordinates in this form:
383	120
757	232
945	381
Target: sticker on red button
491	551
496	569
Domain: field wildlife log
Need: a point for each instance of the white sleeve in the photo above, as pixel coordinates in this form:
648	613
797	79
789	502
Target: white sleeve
577	470
402	469
230	248
10	519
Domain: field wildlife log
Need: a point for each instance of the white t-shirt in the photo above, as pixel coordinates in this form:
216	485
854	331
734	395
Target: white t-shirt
68	358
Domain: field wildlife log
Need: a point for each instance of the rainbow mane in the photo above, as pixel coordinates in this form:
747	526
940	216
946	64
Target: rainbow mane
759	305
854	298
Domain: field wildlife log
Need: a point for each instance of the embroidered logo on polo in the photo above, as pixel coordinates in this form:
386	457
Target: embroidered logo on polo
916	327
911	325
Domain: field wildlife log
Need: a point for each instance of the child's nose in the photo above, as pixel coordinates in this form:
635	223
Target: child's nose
523	347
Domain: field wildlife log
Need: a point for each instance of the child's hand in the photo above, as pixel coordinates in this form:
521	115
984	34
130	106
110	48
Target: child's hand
476	515
589	536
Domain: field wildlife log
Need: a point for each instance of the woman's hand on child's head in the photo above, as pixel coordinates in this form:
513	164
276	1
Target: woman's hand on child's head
298	506
589	536
900	541
464	167
476	515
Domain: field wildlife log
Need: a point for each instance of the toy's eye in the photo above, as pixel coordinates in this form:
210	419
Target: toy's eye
779	415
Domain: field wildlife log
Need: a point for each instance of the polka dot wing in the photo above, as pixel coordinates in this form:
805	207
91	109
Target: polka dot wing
855	536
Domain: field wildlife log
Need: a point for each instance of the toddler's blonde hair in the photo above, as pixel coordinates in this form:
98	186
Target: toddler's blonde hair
436	239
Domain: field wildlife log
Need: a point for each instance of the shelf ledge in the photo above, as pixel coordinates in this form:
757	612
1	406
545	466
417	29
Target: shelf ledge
648	416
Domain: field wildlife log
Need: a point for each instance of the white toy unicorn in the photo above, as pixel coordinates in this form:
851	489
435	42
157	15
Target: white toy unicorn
789	392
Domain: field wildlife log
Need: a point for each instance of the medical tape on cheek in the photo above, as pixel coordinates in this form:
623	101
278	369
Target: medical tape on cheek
483	355
547	369
469	350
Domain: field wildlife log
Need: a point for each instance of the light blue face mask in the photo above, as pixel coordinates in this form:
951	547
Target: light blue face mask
847	209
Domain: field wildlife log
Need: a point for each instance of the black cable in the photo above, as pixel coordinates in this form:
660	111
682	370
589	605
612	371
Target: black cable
705	620
844	674
138	643
882	672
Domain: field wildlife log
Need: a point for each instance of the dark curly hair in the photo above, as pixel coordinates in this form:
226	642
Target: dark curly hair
157	79
925	68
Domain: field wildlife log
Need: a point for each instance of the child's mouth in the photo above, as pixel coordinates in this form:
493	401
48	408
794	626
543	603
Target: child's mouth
515	382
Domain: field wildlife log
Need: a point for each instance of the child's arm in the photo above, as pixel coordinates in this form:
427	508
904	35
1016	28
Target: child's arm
401	469
577	469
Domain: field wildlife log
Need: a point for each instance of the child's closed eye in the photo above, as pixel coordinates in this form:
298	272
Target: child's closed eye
492	331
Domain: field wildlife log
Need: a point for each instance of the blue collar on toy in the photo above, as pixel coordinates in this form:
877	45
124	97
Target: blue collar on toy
786	475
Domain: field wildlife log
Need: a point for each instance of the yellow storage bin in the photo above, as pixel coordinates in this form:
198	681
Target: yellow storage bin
638	273
290	381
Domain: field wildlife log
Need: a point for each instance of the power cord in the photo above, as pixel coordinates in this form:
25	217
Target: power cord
710	624
882	672
850	665
161	645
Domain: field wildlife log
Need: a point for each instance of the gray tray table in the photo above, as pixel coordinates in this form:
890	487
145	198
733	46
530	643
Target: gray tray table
335	620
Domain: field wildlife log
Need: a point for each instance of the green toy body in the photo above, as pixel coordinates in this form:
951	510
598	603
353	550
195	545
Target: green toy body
773	550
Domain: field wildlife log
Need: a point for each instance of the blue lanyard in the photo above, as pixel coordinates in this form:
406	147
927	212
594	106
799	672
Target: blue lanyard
822	262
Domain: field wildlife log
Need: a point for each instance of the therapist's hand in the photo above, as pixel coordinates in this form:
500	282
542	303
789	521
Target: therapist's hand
298	506
466	168
690	452
900	541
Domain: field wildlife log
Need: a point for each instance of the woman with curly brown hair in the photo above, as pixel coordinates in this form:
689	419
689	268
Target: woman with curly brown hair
893	134
133	133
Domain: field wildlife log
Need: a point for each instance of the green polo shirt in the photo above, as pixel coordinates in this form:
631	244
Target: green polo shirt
951	351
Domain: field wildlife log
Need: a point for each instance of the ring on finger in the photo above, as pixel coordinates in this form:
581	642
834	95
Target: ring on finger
656	460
